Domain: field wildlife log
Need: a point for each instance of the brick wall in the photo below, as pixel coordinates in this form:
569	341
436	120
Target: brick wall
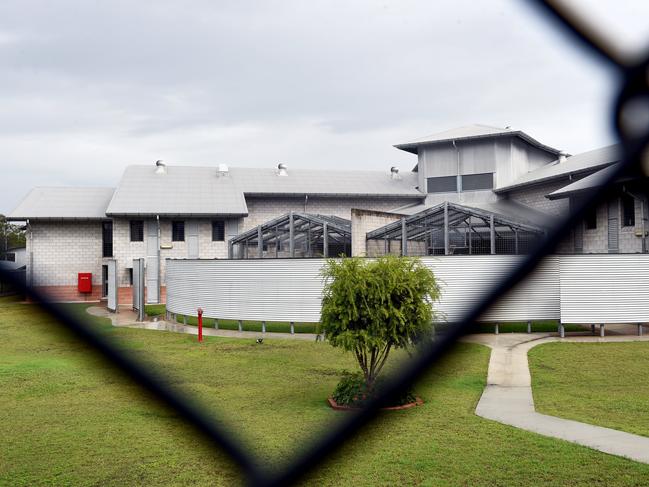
263	209
534	197
364	221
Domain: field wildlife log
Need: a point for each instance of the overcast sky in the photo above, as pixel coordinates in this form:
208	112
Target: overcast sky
90	87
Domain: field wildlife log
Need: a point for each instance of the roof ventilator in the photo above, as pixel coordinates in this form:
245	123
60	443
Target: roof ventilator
394	172
282	170
222	170
161	167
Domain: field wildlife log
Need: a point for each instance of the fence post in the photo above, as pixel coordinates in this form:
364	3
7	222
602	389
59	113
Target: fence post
639	329
240	326
292	328
529	327
562	331
601	330
496	329
263	327
592	328
216	323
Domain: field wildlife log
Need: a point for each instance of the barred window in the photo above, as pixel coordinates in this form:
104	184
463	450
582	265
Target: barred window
178	231
218	231
472	182
444	184
107	239
137	231
628	211
591	219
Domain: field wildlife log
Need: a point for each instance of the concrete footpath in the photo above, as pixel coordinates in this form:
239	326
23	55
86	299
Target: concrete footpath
127	318
508	396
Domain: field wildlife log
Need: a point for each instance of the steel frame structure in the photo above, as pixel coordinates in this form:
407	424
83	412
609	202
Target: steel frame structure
453	229
294	235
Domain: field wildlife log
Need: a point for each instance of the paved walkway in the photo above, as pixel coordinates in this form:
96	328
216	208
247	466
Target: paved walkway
508	396
127	318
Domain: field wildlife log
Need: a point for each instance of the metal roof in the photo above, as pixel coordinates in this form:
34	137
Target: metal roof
591	181
327	183
573	165
475	131
181	190
63	203
186	190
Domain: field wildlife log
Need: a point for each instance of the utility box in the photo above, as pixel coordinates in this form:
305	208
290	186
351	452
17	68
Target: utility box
85	282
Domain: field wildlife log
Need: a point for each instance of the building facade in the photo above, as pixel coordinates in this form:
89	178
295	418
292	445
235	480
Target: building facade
161	212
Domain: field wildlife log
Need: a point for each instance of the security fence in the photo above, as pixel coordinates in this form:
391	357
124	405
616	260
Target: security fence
630	119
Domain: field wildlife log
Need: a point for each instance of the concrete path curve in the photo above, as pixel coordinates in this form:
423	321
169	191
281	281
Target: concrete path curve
508	396
127	319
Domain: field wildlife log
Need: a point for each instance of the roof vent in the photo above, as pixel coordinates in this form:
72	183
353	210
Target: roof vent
160	167
563	156
222	170
282	170
394	172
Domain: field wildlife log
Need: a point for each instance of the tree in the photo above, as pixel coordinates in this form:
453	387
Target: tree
11	236
370	307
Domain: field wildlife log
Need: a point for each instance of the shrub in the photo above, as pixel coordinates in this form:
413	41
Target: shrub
370	307
352	391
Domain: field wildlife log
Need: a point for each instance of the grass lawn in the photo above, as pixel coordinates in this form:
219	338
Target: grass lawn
66	418
597	383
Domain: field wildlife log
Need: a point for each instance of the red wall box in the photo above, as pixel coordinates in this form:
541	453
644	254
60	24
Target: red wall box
85	282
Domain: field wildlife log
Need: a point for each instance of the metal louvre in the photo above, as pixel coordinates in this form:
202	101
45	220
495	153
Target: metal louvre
291	290
605	288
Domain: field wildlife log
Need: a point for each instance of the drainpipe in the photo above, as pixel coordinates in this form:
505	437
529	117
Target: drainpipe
306	201
641	200
157	217
458	183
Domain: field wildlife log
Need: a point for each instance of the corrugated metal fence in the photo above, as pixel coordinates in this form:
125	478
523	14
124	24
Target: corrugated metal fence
575	289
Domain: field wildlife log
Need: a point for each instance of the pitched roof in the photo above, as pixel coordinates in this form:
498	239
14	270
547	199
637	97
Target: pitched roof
573	165
475	131
186	190
590	182
63	202
181	190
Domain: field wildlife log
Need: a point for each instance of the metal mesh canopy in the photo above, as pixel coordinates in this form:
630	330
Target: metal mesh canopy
294	235
452	229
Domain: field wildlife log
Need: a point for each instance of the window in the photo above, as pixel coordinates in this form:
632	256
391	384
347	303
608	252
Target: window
107	239
628	211
10	257
137	231
178	231
473	182
444	184
591	219
218	231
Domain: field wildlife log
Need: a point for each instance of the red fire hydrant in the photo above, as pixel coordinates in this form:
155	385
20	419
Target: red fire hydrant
200	324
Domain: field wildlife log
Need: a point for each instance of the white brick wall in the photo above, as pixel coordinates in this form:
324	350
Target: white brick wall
63	249
364	221
263	209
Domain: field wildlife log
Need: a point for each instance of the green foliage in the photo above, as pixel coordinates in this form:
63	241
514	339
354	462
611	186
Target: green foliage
372	306
352	390
11	235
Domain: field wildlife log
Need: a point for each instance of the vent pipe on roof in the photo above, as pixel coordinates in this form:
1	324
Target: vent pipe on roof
222	170
394	172
562	156
161	167
282	170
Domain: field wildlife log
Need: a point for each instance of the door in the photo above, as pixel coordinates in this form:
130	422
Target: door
104	281
613	226
192	239
152	263
112	284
